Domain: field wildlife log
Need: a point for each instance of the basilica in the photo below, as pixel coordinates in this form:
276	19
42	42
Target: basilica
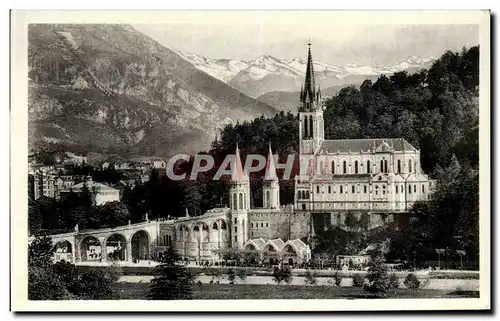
370	175
379	177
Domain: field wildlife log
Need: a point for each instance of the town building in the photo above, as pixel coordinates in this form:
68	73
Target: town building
102	193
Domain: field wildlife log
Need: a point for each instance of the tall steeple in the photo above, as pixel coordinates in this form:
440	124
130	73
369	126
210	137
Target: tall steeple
238	174
308	94
270	174
271	187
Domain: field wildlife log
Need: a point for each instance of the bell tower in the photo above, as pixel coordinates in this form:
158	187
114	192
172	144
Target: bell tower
239	199
311	124
271	186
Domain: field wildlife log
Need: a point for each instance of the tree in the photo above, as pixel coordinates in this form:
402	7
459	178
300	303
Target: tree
231	276
171	281
282	274
40	252
35	219
350	220
310	278
378	281
94	284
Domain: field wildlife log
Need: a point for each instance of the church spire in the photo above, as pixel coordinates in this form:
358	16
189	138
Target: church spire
309	91
238	174
270	174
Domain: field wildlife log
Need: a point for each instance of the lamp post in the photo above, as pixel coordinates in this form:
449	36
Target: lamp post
439	252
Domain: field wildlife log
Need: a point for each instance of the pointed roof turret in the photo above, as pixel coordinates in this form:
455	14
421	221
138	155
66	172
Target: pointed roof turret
270	174
310	84
238	174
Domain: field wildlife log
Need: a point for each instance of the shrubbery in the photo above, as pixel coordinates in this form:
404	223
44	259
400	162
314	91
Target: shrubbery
310	278
282	274
393	281
358	280
337	278
411	281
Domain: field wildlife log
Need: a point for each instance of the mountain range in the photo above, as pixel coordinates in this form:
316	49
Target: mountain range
267	74
111	89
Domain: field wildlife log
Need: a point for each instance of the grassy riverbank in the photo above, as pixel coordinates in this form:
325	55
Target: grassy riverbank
266	271
138	291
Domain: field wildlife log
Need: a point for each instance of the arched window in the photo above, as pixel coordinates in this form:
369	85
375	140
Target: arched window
268	199
368	167
356	167
244	201
414	188
399	166
311	131
307	194
423	188
353	189
341	189
305	127
396	189
317	189
330	189
409	189
381	166
241	201
410	166
365	189
344	165
385	166
333	167
235	201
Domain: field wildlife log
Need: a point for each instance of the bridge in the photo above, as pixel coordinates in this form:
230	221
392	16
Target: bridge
195	238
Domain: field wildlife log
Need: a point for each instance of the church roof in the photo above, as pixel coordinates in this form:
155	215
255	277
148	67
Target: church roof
366	145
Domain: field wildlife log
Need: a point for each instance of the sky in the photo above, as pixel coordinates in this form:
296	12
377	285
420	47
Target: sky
334	41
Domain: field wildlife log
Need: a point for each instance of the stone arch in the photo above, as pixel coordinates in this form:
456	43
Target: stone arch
116	247
63	250
183	232
289	254
140	242
90	249
215	226
63	246
250	247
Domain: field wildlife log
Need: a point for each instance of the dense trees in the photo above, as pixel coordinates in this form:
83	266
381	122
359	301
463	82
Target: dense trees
171	281
61	280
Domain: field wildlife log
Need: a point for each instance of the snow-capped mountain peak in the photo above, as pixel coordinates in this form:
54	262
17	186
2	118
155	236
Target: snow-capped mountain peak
263	74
